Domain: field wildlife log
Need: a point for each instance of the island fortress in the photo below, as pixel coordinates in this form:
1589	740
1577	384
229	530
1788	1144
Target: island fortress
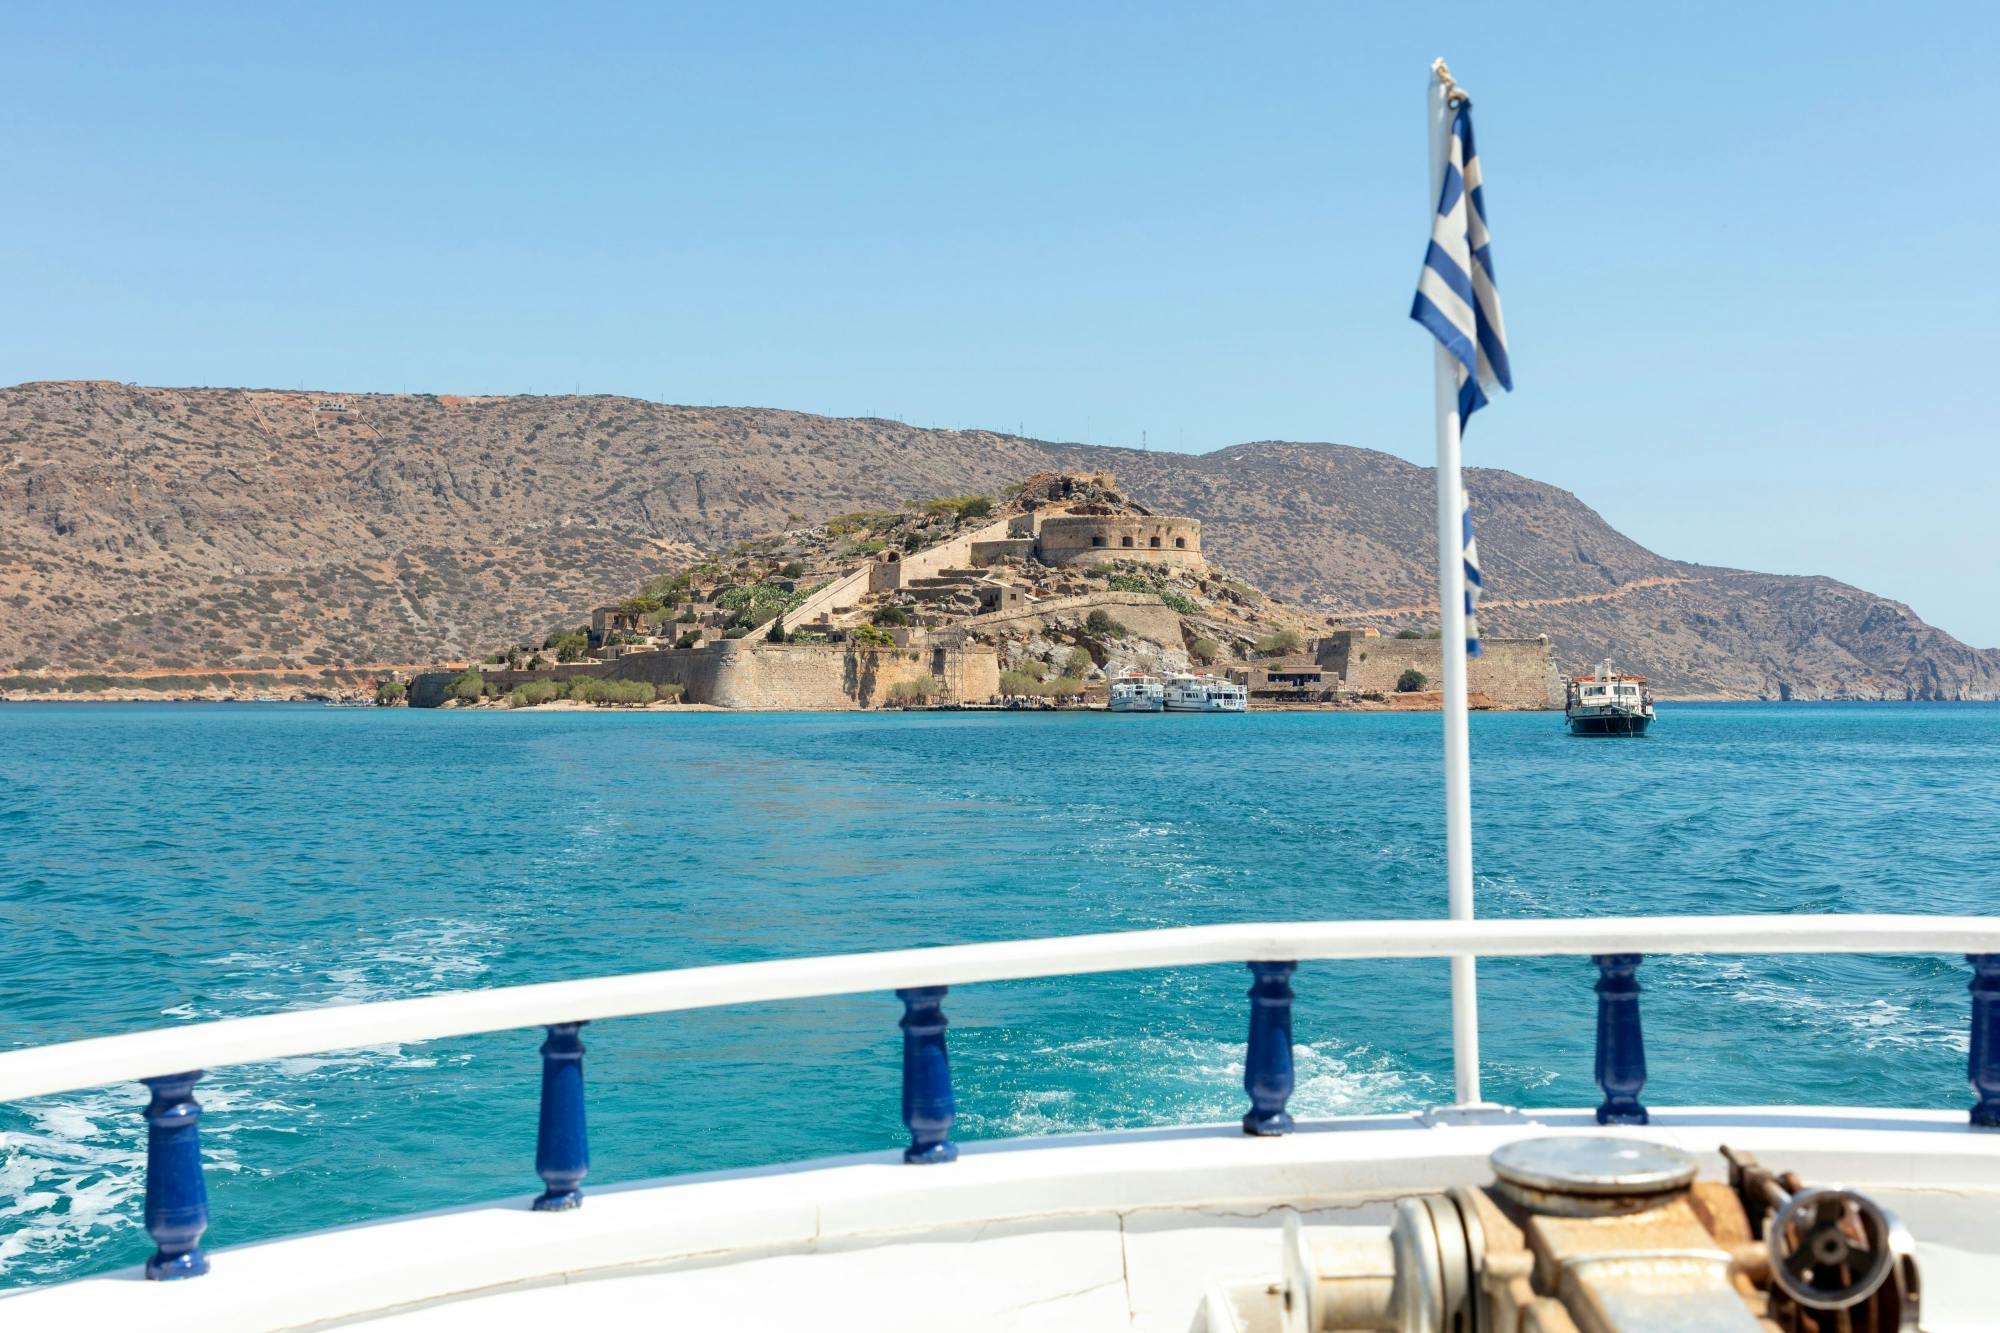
1087	538
1066	521
1048	593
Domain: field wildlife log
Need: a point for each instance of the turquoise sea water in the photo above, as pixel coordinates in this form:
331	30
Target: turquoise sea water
164	864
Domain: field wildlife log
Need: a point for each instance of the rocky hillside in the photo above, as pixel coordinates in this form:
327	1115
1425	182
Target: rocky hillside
184	529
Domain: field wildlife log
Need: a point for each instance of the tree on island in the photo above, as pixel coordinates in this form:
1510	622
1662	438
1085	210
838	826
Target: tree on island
1101	624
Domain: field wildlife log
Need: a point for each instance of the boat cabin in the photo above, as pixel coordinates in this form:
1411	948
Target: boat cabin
1598	690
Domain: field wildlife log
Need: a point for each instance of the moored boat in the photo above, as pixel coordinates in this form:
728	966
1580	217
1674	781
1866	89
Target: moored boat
1137	692
1607	704
1187	693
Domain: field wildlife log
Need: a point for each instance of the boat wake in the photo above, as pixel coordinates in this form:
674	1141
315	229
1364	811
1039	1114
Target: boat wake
73	1168
1101	1083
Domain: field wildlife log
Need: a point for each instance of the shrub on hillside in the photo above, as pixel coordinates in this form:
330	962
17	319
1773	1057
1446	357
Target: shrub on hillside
1409	634
792	569
1100	623
890	615
467	687
1078	662
1411	681
691	639
758	603
1127	582
391	693
958	508
1204	650
1277	643
1063	686
916	690
867	636
568	645
668	589
855	522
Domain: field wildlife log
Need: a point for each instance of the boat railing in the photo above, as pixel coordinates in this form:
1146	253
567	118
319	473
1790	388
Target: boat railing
170	1061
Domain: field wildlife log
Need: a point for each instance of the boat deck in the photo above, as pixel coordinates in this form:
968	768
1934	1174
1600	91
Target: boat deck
1118	1231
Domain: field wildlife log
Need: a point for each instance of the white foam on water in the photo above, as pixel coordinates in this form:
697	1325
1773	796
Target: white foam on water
75	1179
1183	1081
1869	1023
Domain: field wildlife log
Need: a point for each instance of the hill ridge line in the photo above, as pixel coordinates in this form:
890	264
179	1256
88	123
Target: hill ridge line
158	528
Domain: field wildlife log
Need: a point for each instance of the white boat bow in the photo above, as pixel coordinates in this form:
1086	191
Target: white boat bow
1170	1228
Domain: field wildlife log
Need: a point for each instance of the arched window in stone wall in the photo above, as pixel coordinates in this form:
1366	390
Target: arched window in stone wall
1097	540
1156	543
1180	543
1127	541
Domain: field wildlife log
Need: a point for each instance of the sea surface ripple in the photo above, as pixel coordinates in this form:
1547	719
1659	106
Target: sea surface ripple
165	864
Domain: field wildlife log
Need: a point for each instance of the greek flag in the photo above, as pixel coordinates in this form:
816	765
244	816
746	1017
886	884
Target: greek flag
1458	303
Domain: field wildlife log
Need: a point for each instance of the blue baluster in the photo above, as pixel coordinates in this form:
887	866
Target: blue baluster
176	1196
562	1144
928	1106
1982	1065
1621	1048
1267	1061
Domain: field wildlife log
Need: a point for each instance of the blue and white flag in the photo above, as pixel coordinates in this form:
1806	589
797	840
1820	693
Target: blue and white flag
1458	303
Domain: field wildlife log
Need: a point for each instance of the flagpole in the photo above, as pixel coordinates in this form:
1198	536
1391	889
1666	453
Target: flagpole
1451	645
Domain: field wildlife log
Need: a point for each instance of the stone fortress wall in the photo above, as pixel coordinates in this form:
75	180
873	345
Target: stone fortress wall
844	592
1165	539
757	674
1140	612
892	569
1511	673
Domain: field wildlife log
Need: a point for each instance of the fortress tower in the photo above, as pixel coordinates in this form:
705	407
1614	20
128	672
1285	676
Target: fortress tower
1091	539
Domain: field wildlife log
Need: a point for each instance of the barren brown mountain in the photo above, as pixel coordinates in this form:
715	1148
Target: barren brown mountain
185	529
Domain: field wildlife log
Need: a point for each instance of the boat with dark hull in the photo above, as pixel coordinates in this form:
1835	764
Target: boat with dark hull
1607	704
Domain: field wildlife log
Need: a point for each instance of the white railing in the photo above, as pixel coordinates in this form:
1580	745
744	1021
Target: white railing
36	1071
171	1060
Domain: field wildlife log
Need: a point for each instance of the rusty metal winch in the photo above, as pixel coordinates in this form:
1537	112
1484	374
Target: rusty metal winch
1609	1235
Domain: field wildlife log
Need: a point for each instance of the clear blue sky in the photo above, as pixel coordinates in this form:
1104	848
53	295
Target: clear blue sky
1747	252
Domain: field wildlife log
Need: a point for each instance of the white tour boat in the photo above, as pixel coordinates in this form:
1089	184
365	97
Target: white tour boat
1608	704
1186	693
1136	692
1465	1217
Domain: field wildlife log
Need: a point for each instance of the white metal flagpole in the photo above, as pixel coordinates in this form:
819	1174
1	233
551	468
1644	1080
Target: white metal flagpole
1451	605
